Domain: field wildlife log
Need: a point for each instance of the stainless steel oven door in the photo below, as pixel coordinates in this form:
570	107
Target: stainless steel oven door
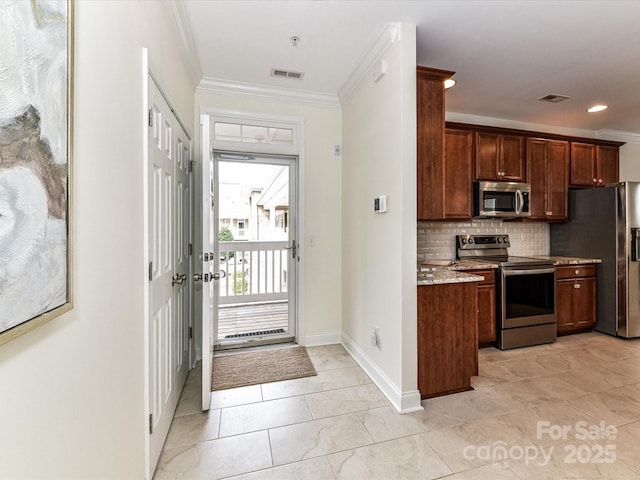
528	296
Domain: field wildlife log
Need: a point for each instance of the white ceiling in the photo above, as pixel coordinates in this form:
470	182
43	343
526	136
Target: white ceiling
506	54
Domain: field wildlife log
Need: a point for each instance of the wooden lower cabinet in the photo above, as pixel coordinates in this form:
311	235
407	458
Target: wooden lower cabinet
486	306
447	338
576	298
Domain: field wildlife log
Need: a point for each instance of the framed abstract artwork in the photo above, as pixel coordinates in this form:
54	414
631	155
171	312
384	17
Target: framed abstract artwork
36	128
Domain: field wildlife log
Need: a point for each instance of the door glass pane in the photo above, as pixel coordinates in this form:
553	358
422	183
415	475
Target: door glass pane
232	132
253	215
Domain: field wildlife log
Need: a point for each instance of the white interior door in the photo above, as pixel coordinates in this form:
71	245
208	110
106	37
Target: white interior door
168	185
182	288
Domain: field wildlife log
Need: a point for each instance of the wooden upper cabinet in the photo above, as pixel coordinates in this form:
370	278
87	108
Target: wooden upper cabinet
458	173
557	180
499	157
607	164
431	180
537	177
548	174
583	165
593	165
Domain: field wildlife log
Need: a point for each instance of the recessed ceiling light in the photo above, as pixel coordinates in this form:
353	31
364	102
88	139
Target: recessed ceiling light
448	83
597	108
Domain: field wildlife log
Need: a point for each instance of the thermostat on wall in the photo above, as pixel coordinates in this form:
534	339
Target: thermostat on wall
380	204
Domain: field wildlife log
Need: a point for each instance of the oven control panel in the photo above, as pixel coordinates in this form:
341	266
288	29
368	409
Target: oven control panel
464	242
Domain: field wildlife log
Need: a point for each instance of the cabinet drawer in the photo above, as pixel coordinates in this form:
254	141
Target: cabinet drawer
575	271
489	276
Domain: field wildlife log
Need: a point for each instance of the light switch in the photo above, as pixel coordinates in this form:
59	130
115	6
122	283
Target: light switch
311	240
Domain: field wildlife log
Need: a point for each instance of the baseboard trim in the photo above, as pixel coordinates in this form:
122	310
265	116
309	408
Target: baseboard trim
322	339
403	402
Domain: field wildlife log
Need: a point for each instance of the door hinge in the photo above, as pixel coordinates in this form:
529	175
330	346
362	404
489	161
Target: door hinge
190	332
150	423
192	165
151	117
150	271
190	249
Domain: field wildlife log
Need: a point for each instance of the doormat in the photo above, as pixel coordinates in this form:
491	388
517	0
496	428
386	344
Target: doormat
260	366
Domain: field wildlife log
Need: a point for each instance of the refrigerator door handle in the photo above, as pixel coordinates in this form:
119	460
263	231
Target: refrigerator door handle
634	244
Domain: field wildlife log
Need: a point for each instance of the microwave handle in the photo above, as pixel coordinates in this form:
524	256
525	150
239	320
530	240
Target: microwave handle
519	202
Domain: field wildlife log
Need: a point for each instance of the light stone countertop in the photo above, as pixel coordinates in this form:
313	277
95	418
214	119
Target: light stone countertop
442	275
437	272
559	260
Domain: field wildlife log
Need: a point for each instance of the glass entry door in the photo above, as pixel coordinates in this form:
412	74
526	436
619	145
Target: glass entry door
256	249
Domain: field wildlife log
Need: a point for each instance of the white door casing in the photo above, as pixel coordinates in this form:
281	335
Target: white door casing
208	283
169	150
209	228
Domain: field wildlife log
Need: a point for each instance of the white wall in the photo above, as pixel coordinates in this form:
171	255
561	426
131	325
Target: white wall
72	401
630	162
320	318
379	250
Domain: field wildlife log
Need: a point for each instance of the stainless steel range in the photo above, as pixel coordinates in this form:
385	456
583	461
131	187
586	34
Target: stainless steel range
526	291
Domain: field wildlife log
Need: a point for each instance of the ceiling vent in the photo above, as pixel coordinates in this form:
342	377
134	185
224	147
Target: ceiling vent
277	72
554	98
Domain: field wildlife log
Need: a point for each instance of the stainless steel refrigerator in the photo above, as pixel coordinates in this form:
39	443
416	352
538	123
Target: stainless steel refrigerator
604	223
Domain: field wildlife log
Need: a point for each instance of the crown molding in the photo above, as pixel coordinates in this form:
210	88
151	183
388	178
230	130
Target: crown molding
225	87
389	36
618	135
181	19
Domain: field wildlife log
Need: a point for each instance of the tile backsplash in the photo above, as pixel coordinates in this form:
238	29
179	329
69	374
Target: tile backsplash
438	239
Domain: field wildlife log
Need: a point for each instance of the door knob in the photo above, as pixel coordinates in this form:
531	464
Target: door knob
197	277
178	279
215	276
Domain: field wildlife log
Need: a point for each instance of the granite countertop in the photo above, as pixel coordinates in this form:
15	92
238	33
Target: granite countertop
559	260
439	275
442	271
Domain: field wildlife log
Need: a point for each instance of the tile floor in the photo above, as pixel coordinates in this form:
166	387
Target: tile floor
566	410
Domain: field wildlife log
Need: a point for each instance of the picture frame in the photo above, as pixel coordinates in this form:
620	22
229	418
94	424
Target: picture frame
36	158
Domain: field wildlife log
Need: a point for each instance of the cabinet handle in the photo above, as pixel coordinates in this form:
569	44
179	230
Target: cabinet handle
599	180
577	272
595	180
576	285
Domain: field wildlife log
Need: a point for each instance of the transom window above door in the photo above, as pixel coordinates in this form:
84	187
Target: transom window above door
255	133
233	132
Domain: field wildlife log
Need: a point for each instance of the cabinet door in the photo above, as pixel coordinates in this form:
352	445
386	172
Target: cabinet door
486	313
607	163
511	158
583	165
537	177
458	173
557	184
564	302
584	303
430	137
447	338
487	164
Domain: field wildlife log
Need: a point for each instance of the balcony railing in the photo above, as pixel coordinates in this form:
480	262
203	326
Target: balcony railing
253	271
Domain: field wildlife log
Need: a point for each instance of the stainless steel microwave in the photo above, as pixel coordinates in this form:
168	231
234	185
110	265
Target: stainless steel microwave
501	199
